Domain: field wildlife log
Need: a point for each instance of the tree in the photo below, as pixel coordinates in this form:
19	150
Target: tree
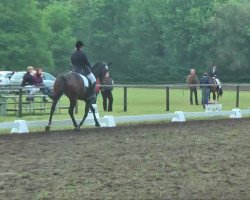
229	29
23	36
102	25
58	18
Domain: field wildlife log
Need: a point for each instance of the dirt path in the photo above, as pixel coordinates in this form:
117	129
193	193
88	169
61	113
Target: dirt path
191	160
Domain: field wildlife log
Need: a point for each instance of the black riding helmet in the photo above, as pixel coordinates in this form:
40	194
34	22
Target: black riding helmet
79	44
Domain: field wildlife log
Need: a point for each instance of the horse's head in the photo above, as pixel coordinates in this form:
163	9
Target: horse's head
100	70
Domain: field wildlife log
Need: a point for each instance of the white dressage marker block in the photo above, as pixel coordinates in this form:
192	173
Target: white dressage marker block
236	114
180	117
109	121
213	107
22	127
90	114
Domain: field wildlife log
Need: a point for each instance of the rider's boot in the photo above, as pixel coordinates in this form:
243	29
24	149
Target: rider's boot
92	96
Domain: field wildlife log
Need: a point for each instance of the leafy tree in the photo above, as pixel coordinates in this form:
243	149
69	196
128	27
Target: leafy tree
58	18
23	36
102	25
229	29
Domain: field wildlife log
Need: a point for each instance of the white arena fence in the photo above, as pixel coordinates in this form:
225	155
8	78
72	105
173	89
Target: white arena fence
22	126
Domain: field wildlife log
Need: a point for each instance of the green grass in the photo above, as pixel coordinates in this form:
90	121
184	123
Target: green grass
143	101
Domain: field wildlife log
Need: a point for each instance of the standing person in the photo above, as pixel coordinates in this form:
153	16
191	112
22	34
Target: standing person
81	65
205	89
106	93
29	83
192	81
38	78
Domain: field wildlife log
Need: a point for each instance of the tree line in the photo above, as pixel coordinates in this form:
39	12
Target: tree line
147	41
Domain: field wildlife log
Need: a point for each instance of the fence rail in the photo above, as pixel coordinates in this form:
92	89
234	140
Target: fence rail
167	87
226	87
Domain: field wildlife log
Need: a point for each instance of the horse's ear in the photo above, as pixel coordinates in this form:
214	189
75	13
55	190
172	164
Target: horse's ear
109	64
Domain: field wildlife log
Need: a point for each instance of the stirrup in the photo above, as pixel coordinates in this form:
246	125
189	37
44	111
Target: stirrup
93	96
92	99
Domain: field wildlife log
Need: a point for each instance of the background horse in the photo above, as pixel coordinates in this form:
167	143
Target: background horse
215	89
72	85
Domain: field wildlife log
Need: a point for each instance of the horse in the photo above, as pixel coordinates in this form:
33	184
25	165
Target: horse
215	89
73	86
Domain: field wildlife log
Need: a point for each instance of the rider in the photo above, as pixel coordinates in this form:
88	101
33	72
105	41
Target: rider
81	65
213	73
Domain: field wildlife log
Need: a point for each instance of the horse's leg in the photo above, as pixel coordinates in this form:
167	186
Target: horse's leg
87	105
71	111
93	111
214	96
52	111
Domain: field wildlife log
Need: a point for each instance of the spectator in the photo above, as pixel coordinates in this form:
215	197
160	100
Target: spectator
205	89
192	81
38	77
29	83
106	93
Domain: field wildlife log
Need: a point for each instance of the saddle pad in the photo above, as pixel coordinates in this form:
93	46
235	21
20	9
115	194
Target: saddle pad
85	80
217	81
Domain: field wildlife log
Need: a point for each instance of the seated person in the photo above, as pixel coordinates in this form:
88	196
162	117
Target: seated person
38	78
29	83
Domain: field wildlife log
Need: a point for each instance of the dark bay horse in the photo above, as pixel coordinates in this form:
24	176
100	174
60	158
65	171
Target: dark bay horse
72	85
215	89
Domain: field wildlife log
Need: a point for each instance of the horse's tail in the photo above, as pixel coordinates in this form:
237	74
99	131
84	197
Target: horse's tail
59	86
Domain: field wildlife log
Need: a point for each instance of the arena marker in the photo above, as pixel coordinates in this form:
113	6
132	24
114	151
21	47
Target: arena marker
180	117
109	121
21	128
236	113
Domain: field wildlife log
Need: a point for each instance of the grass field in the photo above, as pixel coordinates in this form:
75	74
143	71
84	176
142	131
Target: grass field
145	101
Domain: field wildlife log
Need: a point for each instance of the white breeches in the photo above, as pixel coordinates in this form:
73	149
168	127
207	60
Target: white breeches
91	77
32	90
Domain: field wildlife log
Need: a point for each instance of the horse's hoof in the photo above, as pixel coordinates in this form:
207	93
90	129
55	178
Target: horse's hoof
47	128
97	125
77	128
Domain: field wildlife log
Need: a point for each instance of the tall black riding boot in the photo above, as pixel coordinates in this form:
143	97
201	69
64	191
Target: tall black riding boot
92	96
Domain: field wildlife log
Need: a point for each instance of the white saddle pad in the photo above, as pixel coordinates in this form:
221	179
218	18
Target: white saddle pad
85	80
217	81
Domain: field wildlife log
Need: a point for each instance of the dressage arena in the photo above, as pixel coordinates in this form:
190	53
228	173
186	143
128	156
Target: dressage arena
207	159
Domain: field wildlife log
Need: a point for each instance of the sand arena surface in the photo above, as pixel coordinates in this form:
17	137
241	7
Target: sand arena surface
190	160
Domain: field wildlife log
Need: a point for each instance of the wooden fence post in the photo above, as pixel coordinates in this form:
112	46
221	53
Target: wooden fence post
125	99
167	98
237	96
20	102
